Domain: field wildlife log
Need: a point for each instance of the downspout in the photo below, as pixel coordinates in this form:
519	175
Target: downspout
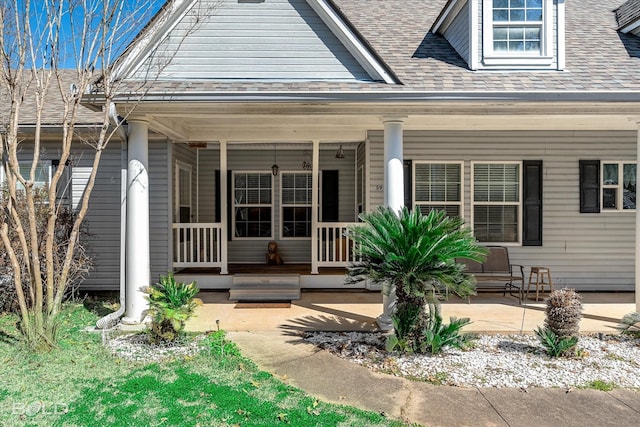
111	319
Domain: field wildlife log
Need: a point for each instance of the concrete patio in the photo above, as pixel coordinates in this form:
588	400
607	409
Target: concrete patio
353	311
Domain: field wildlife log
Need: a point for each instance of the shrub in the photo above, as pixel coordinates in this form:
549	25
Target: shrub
553	344
630	324
81	263
171	304
562	323
433	336
438	335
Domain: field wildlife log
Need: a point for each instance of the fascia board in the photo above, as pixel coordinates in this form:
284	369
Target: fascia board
446	17
349	39
140	50
380	97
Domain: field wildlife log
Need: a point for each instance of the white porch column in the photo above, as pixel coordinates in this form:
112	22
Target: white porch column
637	254
393	195
315	184
223	208
138	264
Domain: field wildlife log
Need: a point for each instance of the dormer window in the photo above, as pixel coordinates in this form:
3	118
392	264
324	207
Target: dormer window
517	26
518	33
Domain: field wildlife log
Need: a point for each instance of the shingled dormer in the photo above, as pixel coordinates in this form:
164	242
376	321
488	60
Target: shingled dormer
505	34
628	16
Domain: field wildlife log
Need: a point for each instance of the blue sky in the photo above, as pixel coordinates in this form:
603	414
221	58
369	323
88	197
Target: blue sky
133	14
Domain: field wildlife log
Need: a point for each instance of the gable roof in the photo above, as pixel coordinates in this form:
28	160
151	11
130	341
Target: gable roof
600	62
252	40
628	16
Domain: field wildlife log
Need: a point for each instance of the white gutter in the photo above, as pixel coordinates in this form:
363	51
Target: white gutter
111	319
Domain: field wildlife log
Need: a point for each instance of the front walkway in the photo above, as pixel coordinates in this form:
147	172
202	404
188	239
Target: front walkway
269	336
353	311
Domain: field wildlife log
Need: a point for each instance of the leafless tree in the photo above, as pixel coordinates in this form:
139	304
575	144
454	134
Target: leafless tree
55	49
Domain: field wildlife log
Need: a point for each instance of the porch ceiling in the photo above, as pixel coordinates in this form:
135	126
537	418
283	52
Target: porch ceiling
344	121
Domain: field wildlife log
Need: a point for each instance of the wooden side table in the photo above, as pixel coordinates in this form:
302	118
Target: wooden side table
542	278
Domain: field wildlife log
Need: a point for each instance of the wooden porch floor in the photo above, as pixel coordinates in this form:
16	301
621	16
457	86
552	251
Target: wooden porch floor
302	269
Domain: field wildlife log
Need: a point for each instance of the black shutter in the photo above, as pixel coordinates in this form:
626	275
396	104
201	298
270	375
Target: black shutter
218	216
330	193
408	184
532	203
589	186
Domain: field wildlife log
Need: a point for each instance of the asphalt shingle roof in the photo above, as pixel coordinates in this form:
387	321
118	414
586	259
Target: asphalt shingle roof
598	57
53	111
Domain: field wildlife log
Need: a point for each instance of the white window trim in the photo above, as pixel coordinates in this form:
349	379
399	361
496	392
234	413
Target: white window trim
519	204
620	195
234	205
517	61
180	165
415	202
28	163
282	205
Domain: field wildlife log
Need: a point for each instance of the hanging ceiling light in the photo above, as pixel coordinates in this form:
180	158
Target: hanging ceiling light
340	153
274	168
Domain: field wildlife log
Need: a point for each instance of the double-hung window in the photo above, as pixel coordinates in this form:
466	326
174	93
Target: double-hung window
496	201
517	26
438	185
618	186
517	32
296	205
42	175
252	204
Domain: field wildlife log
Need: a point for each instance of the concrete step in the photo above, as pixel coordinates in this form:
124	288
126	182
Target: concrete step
255	287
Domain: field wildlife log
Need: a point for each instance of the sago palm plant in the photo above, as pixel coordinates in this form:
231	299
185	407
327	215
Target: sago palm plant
415	255
171	304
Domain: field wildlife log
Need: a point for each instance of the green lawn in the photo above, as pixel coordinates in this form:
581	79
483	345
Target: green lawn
81	383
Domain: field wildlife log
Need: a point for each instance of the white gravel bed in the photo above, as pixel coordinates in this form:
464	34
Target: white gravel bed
138	348
500	361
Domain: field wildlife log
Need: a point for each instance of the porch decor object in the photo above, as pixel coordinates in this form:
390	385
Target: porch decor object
540	277
340	153
273	257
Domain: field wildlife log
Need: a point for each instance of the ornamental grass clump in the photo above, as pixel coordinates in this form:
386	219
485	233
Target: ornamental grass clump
562	323
171	304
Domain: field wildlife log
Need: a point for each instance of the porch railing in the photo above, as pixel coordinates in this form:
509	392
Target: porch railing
197	245
334	248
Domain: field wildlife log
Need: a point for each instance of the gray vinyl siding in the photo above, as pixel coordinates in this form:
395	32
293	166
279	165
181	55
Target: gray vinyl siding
184	154
585	251
103	216
272	39
160	185
209	162
102	220
457	34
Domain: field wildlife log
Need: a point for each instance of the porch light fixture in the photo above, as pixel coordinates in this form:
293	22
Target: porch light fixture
274	168
340	153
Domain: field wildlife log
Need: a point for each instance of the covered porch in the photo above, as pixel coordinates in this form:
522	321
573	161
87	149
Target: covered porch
232	200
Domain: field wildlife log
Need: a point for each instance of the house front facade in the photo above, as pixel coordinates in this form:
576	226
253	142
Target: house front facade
282	120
